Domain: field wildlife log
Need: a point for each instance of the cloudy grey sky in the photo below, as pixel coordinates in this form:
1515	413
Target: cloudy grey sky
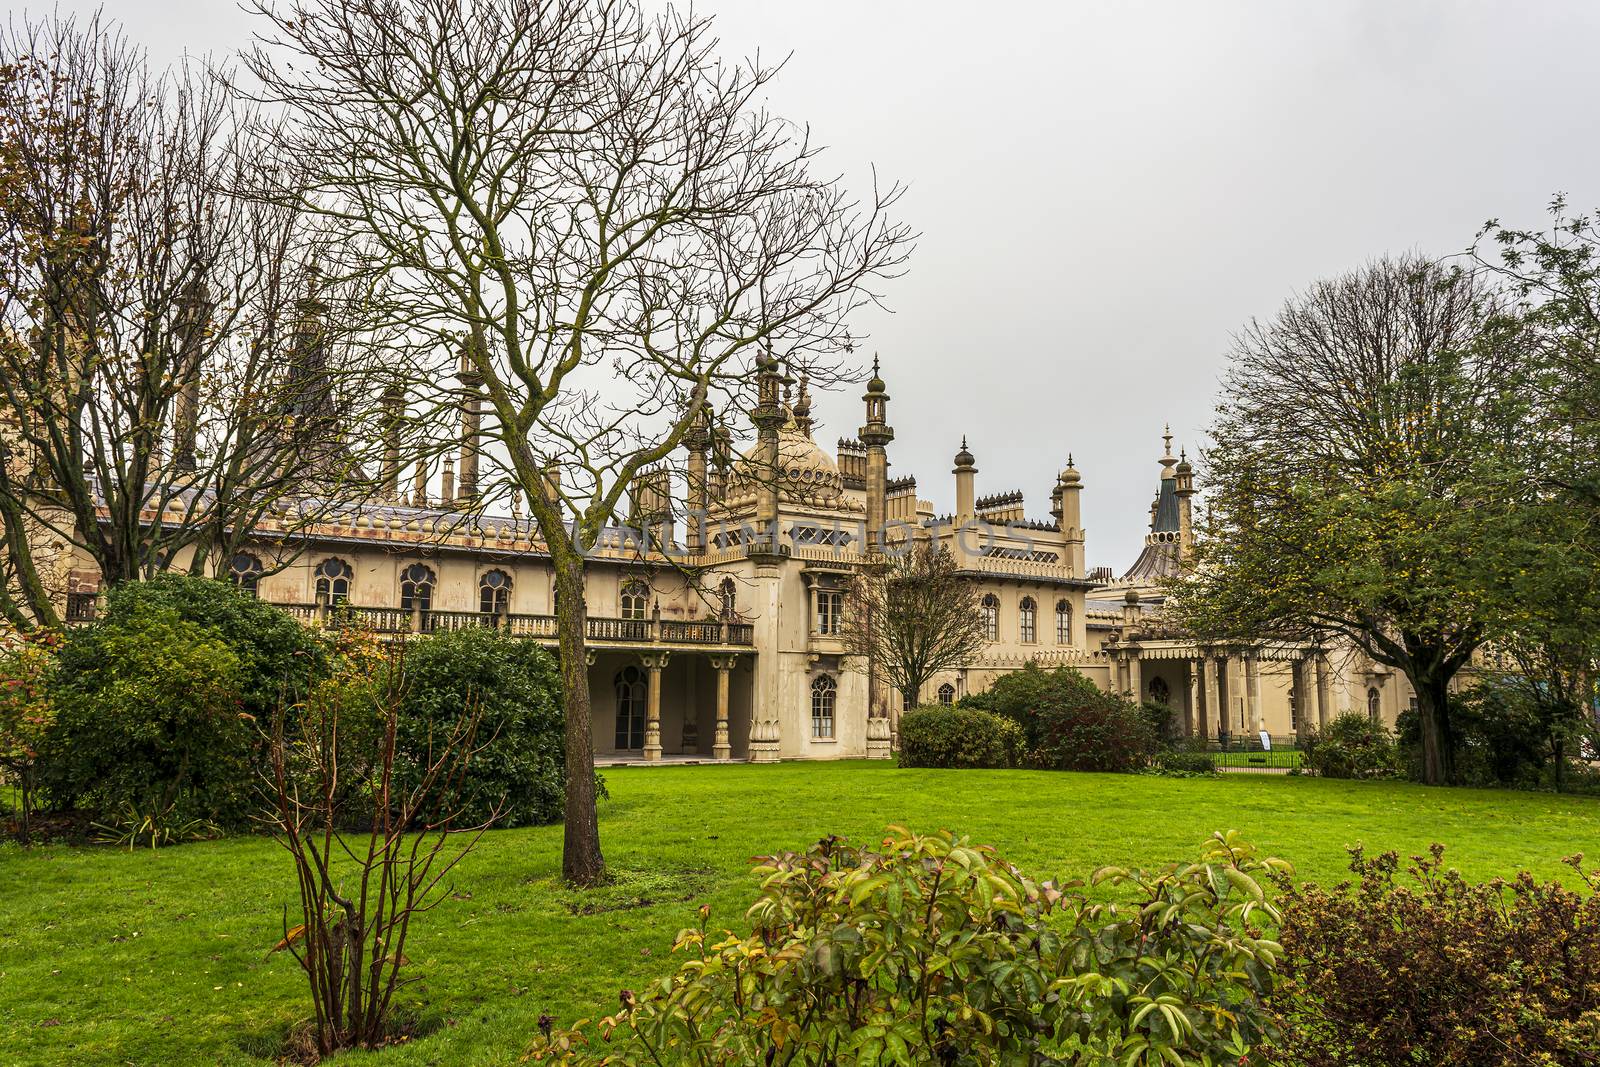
1107	191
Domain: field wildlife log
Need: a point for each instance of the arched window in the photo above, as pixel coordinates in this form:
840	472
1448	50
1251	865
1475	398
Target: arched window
727	593
947	694
824	691
244	572
1160	691
991	616
416	588
1374	704
1063	622
494	593
1027	616
333	581
635	599
632	691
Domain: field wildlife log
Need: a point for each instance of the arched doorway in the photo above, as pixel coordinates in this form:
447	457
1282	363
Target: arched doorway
632	695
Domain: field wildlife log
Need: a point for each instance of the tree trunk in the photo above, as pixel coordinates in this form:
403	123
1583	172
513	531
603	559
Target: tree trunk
581	861
1438	743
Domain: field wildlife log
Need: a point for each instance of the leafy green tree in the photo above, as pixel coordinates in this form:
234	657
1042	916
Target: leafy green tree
1368	481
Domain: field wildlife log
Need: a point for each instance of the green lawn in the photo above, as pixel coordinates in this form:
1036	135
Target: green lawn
160	958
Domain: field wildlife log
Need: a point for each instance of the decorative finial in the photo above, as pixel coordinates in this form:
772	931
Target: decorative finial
874	364
1069	459
802	407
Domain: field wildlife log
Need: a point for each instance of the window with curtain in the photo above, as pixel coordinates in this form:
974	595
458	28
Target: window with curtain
991	616
1063	622
1027	620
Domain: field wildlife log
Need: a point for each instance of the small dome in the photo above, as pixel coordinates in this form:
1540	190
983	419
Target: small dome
964	458
805	471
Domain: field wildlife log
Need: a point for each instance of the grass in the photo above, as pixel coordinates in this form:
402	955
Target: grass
107	957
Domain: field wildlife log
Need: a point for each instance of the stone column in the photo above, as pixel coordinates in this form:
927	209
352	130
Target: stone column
1135	676
653	665
1191	710
1303	700
721	748
1213	699
1252	692
1323	696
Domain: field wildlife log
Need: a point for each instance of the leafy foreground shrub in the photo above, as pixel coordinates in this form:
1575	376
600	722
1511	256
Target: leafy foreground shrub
1446	971
1070	725
513	687
933	951
149	727
958	737
1353	746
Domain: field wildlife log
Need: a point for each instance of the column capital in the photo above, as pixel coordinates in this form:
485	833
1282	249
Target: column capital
654	661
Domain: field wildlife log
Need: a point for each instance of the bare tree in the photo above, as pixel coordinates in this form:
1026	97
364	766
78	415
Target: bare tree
173	370
332	766
912	615
601	210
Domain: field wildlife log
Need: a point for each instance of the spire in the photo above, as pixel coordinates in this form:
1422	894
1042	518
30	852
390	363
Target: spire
963	457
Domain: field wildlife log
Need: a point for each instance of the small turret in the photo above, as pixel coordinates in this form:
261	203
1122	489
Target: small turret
966	472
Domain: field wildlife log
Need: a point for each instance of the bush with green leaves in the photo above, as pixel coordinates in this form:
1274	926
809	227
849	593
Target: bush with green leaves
276	652
155	701
515	688
1069	723
1180	762
1352	746
1384	974
940	736
27	714
149	723
930	950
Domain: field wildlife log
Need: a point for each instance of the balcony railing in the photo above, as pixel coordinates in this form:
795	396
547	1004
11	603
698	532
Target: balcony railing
539	627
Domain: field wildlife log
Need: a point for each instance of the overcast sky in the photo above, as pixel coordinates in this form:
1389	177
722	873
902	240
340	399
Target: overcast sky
1107	191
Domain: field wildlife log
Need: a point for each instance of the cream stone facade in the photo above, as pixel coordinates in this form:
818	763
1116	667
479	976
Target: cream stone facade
722	641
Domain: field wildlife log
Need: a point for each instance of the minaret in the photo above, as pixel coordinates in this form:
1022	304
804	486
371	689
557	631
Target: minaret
876	435
1070	486
768	416
697	440
966	485
419	487
766	592
394	413
471	423
1185	490
447	483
